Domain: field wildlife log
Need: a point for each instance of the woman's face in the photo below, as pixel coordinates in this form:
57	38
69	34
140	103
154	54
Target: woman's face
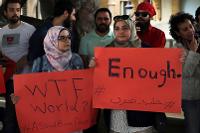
186	30
122	31
64	41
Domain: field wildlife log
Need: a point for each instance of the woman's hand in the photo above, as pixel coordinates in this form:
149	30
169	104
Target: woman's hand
193	45
14	98
92	63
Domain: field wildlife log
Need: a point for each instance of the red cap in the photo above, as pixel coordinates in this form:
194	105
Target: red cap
146	6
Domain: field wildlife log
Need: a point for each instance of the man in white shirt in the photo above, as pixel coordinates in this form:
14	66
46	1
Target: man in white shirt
14	39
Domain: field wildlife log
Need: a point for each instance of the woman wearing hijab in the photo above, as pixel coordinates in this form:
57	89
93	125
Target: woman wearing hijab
125	33
58	55
118	121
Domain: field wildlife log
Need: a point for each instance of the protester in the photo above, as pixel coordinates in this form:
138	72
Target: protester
14	42
14	37
58	55
121	121
100	37
182	30
149	35
64	12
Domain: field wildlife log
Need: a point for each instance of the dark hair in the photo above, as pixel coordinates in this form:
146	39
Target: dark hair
5	4
103	10
63	5
197	14
177	19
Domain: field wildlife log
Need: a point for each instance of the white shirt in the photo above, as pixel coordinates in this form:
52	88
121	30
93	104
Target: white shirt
14	43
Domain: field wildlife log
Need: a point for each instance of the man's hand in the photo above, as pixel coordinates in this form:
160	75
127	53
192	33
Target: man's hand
193	45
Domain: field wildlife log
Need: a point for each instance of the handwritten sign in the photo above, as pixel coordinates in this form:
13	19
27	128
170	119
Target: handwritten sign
58	102
2	85
138	79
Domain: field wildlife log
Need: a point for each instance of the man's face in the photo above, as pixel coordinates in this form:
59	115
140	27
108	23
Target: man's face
102	22
73	15
69	18
142	19
13	12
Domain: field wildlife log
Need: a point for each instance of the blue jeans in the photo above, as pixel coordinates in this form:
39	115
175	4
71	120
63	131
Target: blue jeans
191	109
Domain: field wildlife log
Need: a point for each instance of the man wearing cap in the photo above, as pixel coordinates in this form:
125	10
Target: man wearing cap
150	36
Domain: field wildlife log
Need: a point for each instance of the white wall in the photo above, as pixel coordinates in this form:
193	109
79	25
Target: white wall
166	9
190	6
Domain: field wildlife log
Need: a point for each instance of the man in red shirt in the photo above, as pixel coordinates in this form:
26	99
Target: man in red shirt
150	36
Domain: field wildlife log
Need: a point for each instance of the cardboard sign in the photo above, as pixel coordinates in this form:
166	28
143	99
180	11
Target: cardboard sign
2	84
138	79
58	102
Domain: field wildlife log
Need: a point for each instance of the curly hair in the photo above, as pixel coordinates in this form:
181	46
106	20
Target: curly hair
197	13
176	20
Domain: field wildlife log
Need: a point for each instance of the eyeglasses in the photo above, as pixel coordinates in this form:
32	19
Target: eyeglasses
142	14
64	38
122	17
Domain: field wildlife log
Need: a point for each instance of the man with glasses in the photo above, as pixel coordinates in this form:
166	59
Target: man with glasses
150	36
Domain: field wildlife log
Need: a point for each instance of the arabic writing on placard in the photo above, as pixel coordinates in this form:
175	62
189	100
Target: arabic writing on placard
134	101
138	79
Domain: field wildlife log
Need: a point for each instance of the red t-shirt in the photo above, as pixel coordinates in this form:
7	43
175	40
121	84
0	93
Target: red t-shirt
153	37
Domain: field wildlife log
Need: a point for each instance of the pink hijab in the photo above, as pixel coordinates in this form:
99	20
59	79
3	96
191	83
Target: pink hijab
59	60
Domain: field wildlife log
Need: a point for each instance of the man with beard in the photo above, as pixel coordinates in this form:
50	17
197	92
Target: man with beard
150	36
14	37
14	42
64	14
100	37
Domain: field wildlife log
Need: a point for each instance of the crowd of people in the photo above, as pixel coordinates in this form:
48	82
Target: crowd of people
25	49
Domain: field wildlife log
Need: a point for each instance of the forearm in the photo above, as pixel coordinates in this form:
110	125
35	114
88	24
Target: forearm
22	62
